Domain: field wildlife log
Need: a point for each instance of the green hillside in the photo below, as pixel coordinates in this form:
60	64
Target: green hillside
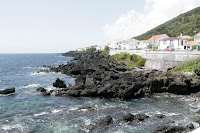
185	23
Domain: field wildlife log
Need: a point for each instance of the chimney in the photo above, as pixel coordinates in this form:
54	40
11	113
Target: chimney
181	34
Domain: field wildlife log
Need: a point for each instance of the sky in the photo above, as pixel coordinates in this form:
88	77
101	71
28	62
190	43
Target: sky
56	26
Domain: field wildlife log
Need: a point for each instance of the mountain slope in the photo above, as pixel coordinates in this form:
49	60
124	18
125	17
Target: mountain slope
185	23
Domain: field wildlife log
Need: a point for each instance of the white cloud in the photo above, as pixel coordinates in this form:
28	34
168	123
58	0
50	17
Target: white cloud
155	12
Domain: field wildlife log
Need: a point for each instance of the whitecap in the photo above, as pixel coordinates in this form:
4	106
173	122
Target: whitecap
31	85
43	68
172	114
87	121
8	127
49	88
72	109
27	67
43	113
56	111
37	73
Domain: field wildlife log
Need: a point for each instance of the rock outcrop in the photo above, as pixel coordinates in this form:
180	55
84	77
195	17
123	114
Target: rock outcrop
7	91
59	83
99	76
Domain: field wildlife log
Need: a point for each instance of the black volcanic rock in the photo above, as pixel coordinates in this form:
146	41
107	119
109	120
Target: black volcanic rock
43	91
197	120
40	89
99	76
170	129
159	116
59	83
105	121
128	117
7	91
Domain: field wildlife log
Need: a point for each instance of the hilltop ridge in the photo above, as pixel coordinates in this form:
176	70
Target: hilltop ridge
185	23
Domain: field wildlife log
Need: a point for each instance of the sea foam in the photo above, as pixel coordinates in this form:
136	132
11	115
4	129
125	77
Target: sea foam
31	85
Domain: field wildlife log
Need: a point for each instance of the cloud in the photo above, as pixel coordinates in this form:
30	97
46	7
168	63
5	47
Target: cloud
155	12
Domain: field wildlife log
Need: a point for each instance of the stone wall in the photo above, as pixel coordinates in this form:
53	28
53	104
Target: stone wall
161	60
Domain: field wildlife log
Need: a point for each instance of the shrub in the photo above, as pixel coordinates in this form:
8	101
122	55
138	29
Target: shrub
150	46
192	65
105	52
130	60
90	50
197	69
194	47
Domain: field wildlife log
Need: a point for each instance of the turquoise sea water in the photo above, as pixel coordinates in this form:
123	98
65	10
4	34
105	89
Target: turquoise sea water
27	111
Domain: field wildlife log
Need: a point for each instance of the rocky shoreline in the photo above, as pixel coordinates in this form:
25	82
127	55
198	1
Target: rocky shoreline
99	76
103	77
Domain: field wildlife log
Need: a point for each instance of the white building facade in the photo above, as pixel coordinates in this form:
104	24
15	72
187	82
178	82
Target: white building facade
172	43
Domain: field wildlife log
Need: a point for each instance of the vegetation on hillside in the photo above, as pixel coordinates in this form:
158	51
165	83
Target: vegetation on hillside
192	66
105	52
185	23
130	60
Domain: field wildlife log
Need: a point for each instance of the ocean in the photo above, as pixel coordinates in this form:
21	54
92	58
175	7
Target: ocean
28	111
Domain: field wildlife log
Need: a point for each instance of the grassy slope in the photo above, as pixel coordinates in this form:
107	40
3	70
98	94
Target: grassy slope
185	23
192	65
130	60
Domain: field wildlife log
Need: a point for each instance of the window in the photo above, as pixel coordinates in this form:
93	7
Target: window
171	42
164	42
182	42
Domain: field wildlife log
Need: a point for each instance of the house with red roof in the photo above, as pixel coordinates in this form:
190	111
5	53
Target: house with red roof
196	42
154	40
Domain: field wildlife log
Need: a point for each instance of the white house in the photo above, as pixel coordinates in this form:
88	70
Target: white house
114	45
129	44
154	40
172	43
196	42
143	44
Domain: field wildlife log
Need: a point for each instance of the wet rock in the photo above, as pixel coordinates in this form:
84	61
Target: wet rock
178	88
140	117
198	112
73	93
92	107
7	91
90	127
190	127
105	121
159	116
59	83
41	89
197	120
128	117
89	93
170	129
46	94
43	71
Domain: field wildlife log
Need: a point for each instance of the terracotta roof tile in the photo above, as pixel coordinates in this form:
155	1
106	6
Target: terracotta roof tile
198	34
190	43
154	38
